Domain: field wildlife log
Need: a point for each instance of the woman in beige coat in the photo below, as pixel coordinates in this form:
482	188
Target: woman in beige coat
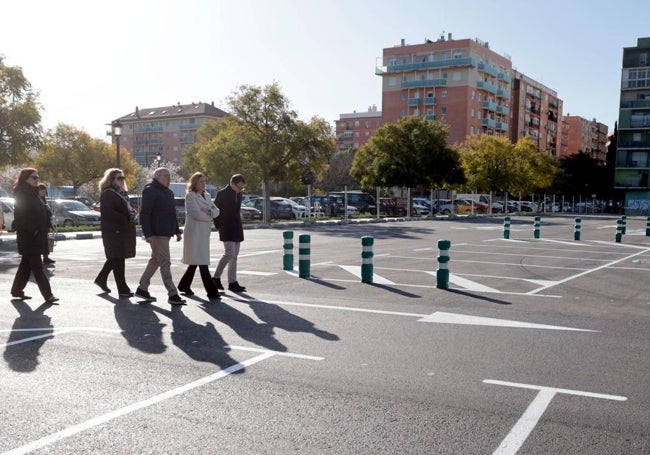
199	214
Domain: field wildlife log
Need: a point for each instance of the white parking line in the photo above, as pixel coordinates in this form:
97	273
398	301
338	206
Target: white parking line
75	429
527	422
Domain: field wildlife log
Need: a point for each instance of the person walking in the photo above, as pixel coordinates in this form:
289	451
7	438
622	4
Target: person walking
31	221
199	214
118	230
159	224
231	231
42	193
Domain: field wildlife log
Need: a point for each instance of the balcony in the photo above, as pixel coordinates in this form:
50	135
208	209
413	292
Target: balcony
404	67
633	144
488	69
633	164
487	86
147	129
489	105
505	110
488	122
505	77
190	126
635	104
429	101
413	101
430	117
424	83
148	141
501	126
189	139
502	93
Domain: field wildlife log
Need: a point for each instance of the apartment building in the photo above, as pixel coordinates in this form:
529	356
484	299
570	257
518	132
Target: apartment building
537	113
164	132
353	130
633	138
461	82
587	136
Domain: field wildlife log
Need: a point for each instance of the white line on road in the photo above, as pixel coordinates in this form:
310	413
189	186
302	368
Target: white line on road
451	318
75	429
527	422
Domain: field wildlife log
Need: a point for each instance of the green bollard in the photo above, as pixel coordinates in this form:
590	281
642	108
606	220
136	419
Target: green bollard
537	225
442	275
506	227
287	259
577	227
366	259
619	230
647	226
304	255
624	223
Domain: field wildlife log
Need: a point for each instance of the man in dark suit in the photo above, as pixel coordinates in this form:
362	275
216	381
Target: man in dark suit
231	231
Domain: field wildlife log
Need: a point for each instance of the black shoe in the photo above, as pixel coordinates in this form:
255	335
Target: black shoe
51	300
216	297
126	294
48	261
175	300
186	291
21	296
144	295
217	283
102	286
235	287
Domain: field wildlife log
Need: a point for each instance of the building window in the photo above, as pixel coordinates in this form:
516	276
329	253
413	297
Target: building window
471	130
402	96
443	111
473	95
643	59
356	123
455	76
443	93
472	113
367	124
392	81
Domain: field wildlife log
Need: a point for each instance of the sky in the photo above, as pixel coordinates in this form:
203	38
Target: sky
92	62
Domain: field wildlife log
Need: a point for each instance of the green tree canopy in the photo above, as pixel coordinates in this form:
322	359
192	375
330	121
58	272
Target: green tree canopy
412	152
20	118
70	156
262	139
493	163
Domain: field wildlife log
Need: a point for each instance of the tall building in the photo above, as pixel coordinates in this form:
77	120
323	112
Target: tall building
461	82
353	130
633	138
587	136
164	131
536	113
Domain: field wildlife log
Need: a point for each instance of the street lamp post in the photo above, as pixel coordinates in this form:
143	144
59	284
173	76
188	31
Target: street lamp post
158	160
117	132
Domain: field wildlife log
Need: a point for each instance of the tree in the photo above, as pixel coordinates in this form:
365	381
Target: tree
70	156
20	118
338	173
263	139
584	176
493	163
412	152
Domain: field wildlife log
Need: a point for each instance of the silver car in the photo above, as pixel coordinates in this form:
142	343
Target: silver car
69	212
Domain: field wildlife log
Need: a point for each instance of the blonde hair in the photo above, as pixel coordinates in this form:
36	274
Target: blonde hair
108	178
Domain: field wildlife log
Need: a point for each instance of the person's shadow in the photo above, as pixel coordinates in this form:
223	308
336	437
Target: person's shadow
31	329
261	334
200	342
140	326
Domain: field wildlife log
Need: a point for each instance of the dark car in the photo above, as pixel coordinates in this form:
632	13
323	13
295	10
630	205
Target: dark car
279	209
249	213
364	202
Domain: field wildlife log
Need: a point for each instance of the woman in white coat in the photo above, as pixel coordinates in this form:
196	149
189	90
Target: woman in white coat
199	214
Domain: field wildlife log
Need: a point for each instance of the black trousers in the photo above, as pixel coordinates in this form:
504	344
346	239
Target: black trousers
206	278
31	265
118	268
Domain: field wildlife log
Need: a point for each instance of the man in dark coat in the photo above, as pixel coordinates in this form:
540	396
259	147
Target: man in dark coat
32	225
231	231
159	224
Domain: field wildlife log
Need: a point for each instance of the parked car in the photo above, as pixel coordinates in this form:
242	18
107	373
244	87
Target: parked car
179	202
364	202
299	210
419	209
7	212
559	207
279	209
68	212
84	200
425	202
249	213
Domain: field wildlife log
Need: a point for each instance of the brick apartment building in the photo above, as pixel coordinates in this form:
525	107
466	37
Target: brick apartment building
588	136
353	130
165	131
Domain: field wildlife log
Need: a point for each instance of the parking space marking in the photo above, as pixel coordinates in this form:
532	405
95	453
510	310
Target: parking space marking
99	420
586	272
50	332
527	422
461	319
356	271
469	284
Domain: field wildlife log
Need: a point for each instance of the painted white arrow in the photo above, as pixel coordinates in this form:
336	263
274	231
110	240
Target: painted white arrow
452	318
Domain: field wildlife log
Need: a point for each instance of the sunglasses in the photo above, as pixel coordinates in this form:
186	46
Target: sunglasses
120	177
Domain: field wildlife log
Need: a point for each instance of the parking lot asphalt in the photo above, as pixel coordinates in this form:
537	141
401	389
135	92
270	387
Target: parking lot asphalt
539	345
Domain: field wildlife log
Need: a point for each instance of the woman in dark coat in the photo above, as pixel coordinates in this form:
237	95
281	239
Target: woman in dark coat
118	230
32	225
